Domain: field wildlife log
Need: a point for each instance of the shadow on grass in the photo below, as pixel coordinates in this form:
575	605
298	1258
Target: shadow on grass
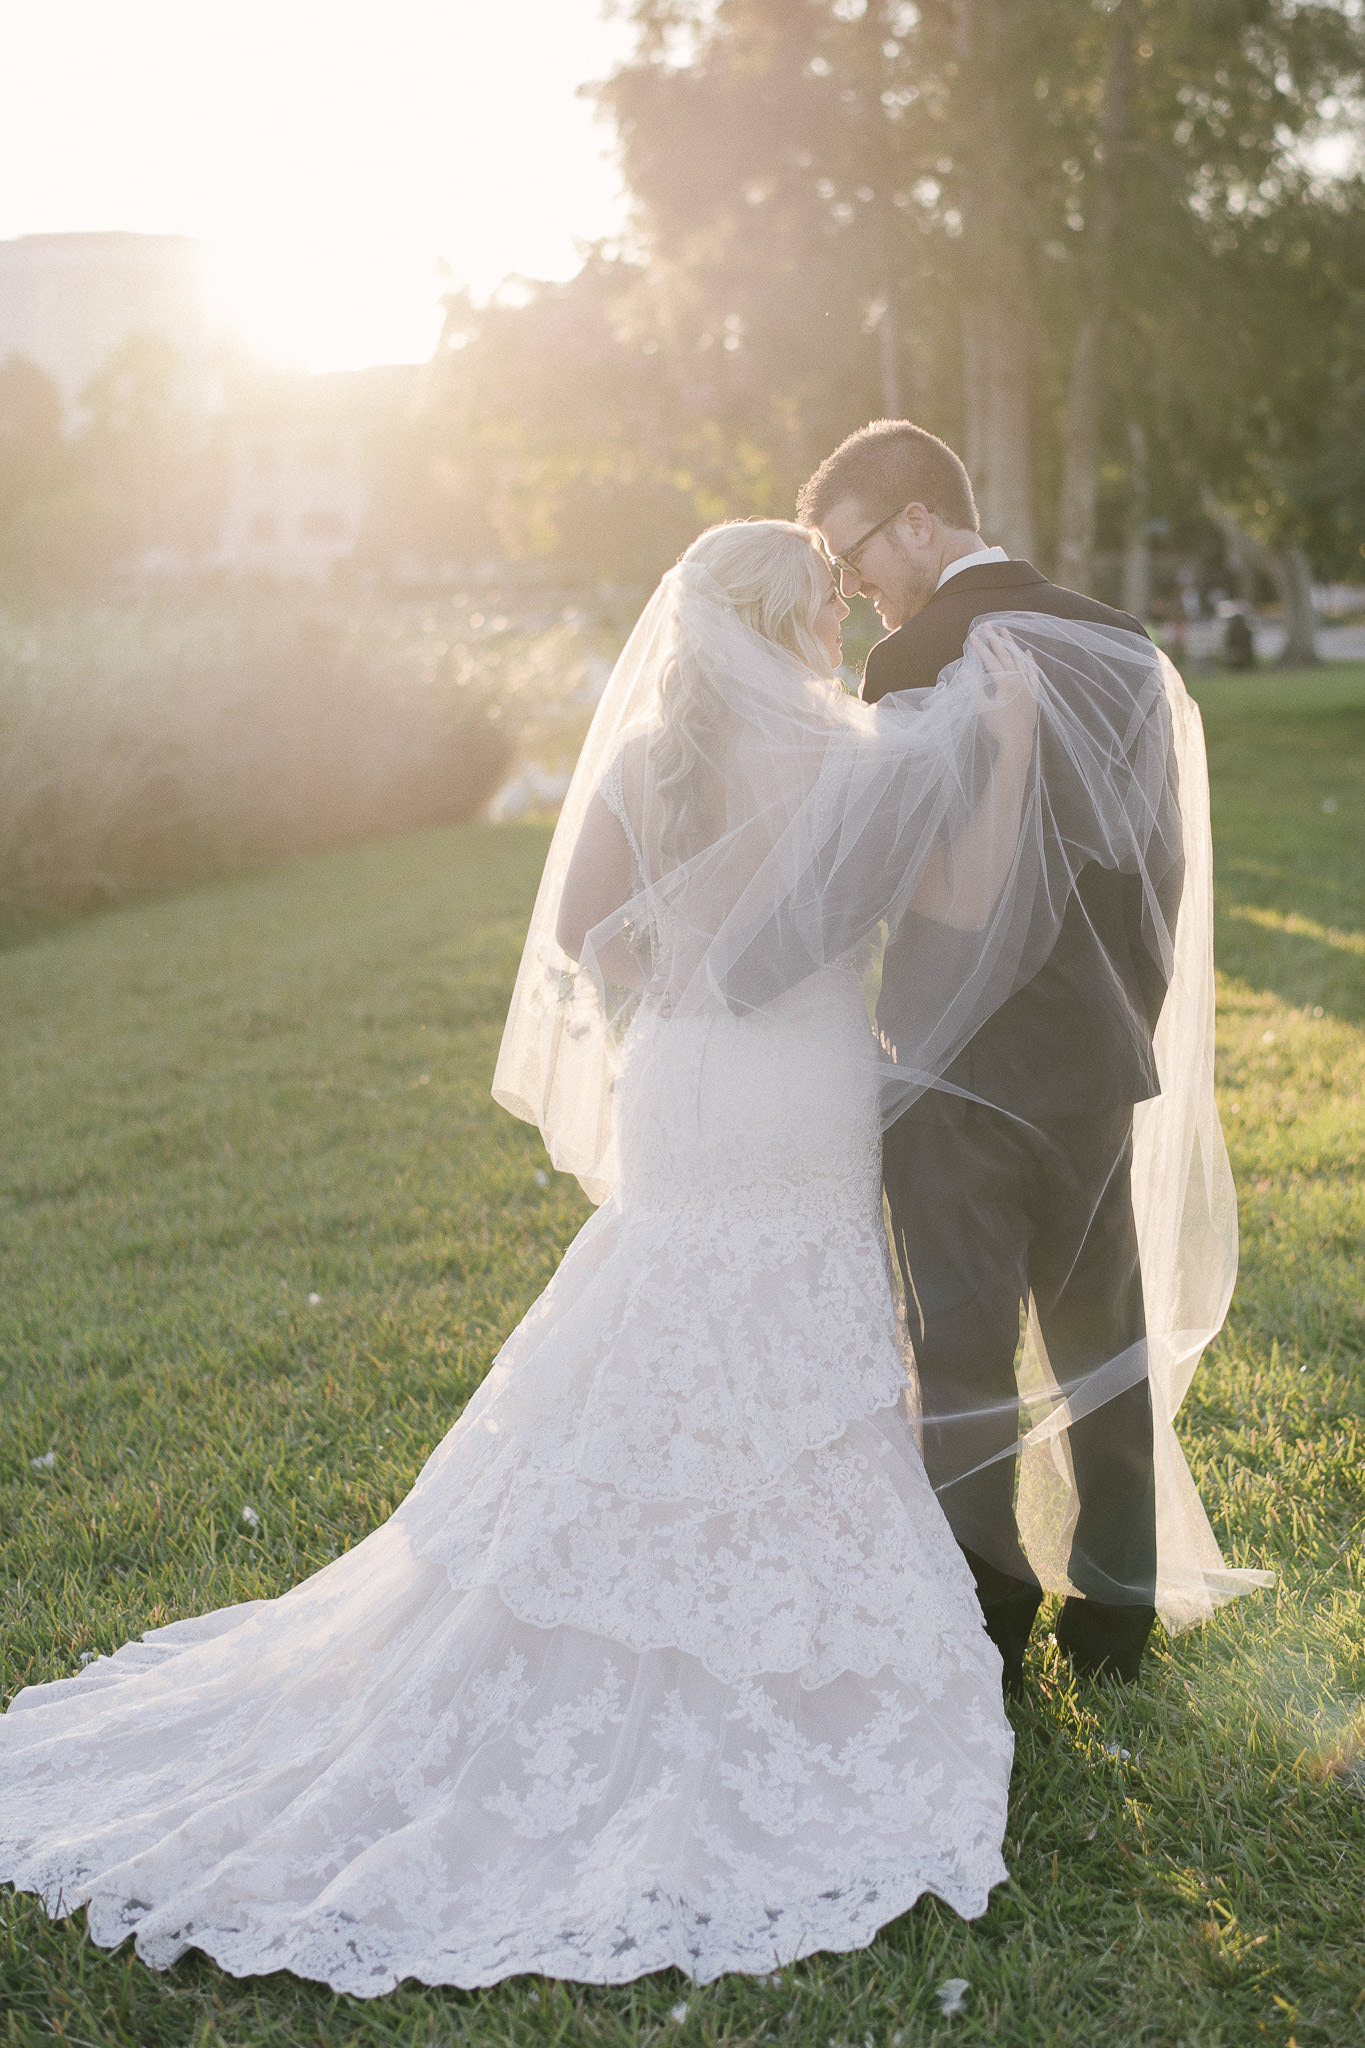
1295	958
1287	769
20	927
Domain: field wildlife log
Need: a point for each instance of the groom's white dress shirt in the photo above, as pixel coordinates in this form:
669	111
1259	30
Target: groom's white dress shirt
970	562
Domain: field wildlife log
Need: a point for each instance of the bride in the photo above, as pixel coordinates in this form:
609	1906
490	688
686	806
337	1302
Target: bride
669	1658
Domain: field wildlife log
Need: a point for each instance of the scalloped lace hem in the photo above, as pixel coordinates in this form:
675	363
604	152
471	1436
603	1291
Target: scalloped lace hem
648	1932
898	1394
460	1797
844	1564
691	1372
904	1662
907	1654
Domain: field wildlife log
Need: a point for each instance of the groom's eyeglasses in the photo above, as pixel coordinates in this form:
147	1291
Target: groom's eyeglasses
849	560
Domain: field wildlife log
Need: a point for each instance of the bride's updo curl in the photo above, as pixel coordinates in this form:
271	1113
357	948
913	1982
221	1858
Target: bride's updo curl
774	575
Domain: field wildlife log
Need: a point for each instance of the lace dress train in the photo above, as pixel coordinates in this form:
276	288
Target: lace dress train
669	1656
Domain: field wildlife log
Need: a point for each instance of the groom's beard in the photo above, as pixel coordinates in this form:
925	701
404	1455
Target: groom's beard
908	601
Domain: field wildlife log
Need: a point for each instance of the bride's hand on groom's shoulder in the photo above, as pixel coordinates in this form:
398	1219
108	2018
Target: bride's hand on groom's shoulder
1013	682
1001	656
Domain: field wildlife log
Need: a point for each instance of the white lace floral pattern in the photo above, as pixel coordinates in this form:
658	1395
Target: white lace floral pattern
667	1659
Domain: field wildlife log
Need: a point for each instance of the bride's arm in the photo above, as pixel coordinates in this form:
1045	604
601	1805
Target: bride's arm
600	881
600	877
966	869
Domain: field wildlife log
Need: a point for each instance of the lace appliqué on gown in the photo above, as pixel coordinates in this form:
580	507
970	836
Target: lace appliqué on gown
667	1659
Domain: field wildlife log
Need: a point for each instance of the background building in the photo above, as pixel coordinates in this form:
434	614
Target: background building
67	302
299	457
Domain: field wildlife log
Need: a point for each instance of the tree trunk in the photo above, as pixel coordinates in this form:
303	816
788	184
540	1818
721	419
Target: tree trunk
998	357
1287	568
1085	393
1301	621
888	347
975	439
1081	450
1242	563
997	314
881	320
1009	483
1137	551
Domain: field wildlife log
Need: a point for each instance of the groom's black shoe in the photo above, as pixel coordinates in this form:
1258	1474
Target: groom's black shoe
1101	1641
1008	1608
1008	1623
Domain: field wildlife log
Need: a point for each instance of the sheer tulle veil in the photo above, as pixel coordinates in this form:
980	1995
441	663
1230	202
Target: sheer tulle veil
670	1657
738	823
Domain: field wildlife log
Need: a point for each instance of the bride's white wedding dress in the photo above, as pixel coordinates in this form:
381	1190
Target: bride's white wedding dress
668	1658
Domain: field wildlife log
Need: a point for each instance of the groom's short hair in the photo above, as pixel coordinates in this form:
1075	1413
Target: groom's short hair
886	465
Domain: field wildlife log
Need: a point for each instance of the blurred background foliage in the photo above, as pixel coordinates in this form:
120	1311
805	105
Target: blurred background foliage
1112	250
1115	253
157	743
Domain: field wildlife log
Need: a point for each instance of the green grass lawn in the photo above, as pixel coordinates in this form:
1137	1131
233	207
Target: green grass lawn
264	1229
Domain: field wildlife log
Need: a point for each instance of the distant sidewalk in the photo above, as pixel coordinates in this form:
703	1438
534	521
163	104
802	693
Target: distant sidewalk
1204	640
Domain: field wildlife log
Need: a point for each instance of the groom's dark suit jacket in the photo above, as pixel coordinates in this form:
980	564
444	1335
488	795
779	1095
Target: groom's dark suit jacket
1076	1040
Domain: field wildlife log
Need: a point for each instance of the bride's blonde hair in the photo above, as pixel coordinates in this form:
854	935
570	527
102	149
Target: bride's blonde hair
775	576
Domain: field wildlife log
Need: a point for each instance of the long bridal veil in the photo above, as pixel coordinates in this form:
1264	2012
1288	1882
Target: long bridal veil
738	824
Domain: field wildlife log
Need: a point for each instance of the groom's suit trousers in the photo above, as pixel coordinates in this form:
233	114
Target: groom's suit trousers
987	1212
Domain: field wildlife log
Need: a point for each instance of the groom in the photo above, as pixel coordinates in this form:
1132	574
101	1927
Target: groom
1022	1191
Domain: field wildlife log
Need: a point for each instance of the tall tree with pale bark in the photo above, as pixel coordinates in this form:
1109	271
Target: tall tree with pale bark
977	211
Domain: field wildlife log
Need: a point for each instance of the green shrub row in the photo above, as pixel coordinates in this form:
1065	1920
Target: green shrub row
160	742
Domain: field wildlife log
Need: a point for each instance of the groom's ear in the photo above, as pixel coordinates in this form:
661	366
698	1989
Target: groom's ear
918	523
